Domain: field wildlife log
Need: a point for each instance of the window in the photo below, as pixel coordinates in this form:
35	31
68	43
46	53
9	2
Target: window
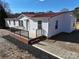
56	25
14	22
39	24
9	22
73	25
20	23
27	24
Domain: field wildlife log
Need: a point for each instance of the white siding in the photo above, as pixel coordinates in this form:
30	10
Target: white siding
34	26
7	23
69	19
52	23
24	19
73	22
10	22
16	23
65	24
45	28
32	29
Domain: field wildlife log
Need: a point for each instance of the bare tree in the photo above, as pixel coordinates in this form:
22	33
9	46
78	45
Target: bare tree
5	5
3	15
76	12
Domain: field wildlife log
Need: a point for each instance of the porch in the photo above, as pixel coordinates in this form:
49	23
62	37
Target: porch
24	36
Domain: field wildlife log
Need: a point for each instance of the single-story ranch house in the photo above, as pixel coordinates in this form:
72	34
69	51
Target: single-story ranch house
47	24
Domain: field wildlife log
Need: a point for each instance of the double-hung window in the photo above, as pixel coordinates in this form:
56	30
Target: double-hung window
14	22
56	25
39	24
9	22
20	23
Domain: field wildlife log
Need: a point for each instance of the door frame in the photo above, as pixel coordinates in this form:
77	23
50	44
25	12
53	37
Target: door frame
37	32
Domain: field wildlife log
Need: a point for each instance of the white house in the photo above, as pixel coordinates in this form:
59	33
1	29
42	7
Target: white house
47	24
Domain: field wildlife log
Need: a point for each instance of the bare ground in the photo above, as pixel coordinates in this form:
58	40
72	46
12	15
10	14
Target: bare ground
68	41
11	48
11	51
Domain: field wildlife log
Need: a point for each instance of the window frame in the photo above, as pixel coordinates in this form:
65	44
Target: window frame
39	24
14	22
27	24
9	21
73	25
21	23
56	24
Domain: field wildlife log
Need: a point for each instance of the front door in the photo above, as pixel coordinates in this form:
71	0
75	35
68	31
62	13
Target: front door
39	30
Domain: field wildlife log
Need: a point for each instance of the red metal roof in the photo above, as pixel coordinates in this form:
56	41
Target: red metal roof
46	15
29	15
43	15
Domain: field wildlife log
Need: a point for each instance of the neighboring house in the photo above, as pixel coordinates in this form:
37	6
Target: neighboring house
47	24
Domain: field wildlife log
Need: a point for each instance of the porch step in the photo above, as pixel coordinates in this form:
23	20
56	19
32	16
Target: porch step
36	40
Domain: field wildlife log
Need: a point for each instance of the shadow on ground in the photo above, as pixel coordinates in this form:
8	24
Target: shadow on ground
67	37
32	50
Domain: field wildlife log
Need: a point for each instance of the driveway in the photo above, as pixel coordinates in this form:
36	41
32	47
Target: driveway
63	45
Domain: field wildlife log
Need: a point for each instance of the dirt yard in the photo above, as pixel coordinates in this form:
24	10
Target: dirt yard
64	45
69	41
11	48
11	51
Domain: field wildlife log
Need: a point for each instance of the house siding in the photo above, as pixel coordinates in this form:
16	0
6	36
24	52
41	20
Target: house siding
32	29
11	24
24	19
65	24
34	26
7	23
69	19
52	23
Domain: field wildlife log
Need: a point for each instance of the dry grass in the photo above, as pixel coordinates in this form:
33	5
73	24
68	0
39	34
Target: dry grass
77	25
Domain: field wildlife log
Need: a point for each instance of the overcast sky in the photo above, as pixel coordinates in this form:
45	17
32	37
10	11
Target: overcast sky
41	5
